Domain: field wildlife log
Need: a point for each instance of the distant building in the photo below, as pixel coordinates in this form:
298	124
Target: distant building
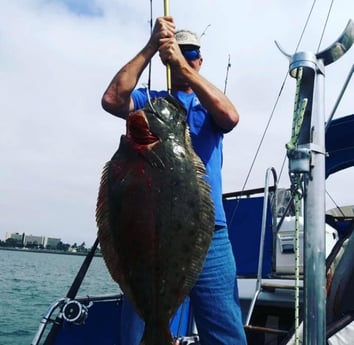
51	242
33	240
19	238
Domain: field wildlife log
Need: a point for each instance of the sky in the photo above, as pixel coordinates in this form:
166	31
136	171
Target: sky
58	56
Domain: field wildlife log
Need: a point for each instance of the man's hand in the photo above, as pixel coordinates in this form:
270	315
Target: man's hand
164	29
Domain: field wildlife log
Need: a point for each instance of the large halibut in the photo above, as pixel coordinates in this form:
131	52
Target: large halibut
155	216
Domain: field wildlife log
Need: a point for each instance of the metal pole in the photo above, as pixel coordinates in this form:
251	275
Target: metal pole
314	223
315	273
309	159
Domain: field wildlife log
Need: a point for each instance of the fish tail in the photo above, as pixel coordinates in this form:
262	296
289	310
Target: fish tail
155	335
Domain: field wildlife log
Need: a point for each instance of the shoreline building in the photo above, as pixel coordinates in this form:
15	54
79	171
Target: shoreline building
33	240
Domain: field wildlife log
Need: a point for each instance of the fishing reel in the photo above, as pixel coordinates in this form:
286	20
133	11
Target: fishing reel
191	340
75	312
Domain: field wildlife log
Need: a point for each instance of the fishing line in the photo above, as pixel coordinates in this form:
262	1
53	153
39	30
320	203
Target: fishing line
325	25
149	99
305	26
282	166
276	104
258	150
334	202
265	131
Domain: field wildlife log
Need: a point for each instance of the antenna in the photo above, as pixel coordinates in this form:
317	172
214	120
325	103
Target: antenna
203	33
227	74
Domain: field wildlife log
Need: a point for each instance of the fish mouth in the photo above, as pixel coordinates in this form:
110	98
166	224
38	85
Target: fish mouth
138	130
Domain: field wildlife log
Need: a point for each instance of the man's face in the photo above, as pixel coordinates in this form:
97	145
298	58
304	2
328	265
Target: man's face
196	64
194	60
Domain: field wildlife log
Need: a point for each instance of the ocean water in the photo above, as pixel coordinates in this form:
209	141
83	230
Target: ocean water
31	282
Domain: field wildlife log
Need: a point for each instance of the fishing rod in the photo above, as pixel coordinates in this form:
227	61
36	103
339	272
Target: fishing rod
203	33
228	62
166	8
71	293
150	63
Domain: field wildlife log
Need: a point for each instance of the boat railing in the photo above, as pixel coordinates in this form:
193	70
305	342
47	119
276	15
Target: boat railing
261	242
253	219
46	319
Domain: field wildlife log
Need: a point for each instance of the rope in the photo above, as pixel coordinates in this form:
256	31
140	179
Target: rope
297	191
297	202
299	111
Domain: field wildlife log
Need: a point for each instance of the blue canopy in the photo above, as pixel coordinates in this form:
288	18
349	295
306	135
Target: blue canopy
340	144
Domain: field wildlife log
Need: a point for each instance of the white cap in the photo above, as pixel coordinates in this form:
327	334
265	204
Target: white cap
186	37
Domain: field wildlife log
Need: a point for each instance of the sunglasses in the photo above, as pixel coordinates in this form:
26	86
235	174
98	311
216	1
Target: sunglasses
191	54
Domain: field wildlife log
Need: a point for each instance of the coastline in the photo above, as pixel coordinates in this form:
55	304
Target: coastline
47	251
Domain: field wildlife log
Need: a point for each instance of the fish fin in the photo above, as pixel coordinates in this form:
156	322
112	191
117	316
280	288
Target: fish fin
104	227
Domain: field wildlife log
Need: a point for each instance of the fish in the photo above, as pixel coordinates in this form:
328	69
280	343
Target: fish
155	215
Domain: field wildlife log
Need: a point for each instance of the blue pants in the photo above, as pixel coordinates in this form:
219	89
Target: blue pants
214	300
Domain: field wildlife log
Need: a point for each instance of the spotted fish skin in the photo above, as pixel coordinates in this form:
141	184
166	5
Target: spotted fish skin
155	216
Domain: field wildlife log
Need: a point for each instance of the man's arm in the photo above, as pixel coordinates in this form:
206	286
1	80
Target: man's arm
213	99
117	98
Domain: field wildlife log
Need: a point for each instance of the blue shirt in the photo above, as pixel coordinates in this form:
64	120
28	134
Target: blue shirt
207	138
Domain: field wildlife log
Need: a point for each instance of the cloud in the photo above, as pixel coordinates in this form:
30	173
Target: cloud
57	58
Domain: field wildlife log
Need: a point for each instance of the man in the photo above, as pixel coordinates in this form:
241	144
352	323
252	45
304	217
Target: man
210	114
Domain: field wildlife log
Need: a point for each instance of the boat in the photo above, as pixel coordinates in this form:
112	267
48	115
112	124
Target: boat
295	260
